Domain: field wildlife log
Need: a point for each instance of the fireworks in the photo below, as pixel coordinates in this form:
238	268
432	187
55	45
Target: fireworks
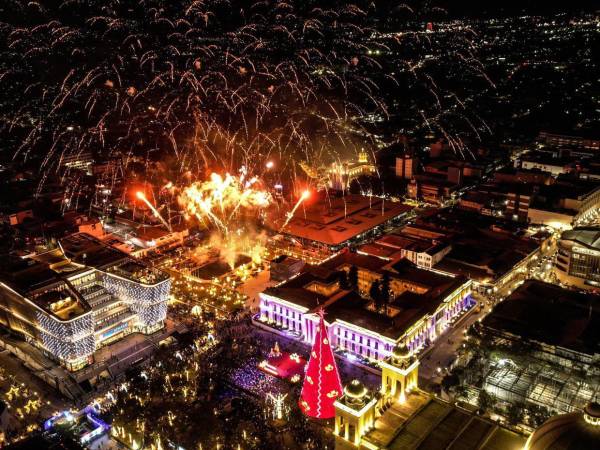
222	200
140	195
219	84
289	216
229	205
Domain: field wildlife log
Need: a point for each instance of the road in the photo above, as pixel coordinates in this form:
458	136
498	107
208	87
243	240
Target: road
444	350
254	286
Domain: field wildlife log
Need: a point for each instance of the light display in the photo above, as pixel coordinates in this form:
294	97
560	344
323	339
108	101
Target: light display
148	302
322	383
277	406
67	340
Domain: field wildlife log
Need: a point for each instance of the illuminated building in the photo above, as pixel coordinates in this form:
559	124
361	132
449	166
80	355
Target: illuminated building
85	425
73	300
422	305
578	259
321	229
572	141
342	174
431	189
400	415
588	207
573	431
541	344
405	166
81	161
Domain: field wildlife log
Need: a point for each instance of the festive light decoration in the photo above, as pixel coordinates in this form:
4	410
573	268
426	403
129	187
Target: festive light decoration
149	302
67	340
278	408
322	383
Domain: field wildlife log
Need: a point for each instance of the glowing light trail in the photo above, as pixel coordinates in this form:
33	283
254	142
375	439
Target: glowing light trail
290	215
140	195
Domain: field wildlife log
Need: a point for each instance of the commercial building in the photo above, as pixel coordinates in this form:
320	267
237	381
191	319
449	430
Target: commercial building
569	140
578	259
405	166
543	162
82	296
81	160
492	257
324	227
564	202
540	348
422	305
431	189
588	208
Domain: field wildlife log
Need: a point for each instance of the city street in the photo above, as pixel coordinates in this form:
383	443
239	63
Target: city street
444	350
254	286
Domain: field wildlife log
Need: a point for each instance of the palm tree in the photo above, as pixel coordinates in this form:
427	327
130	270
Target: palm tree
375	294
344	283
353	278
385	291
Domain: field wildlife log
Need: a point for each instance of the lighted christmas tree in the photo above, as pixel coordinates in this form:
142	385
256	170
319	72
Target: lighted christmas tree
322	383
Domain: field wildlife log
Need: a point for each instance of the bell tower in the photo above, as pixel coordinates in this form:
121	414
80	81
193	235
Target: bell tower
399	374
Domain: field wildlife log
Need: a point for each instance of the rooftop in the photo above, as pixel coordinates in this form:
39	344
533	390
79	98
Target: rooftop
348	306
569	320
335	220
588	236
87	250
424	422
43	286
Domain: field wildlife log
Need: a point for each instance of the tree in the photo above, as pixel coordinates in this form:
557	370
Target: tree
344	283
537	415
385	291
353	278
515	413
322	384
375	294
486	401
450	381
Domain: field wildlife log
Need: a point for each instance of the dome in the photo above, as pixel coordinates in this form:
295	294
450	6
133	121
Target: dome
401	351
355	389
574	431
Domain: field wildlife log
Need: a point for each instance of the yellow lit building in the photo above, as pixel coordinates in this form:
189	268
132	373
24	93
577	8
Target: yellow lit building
401	416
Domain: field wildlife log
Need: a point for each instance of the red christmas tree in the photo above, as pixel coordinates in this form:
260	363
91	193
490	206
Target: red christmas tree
322	383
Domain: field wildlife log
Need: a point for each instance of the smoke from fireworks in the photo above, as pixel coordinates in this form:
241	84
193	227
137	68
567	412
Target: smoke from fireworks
229	206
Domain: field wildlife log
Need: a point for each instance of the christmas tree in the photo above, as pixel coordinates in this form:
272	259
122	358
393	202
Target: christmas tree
322	383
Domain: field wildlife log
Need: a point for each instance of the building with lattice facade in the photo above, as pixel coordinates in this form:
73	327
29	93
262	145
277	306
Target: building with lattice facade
71	301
